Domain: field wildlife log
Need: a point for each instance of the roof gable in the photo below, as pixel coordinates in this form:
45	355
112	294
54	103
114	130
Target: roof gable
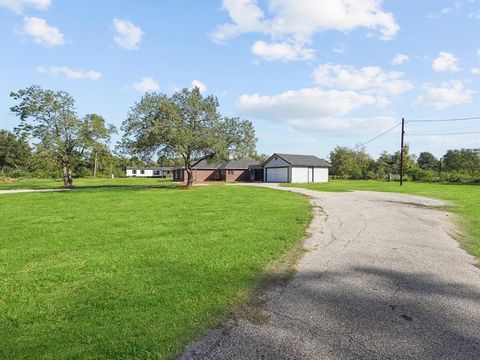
301	160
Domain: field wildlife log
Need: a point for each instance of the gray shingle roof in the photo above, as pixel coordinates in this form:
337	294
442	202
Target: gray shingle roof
205	164
239	164
303	160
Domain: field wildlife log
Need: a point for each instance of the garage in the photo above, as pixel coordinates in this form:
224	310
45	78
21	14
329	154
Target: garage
278	174
288	168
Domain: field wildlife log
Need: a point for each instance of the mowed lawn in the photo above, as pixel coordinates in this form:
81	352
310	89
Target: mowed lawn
133	273
13	184
464	198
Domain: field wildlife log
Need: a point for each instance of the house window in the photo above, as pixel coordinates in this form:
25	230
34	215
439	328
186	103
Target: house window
142	172
134	172
230	172
156	172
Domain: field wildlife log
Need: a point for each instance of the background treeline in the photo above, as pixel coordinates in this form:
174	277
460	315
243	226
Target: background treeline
52	141
18	159
454	166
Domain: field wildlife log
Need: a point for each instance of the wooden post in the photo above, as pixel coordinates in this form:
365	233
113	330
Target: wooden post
401	152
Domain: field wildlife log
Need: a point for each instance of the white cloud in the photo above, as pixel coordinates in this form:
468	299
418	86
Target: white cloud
371	79
201	86
445	62
297	21
303	18
69	73
313	109
41	32
19	5
447	94
128	35
475	71
399	59
146	84
281	51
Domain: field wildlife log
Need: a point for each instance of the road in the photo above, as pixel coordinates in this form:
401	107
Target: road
382	279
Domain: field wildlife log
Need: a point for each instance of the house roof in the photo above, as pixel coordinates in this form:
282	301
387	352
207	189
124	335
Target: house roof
205	164
239	164
302	160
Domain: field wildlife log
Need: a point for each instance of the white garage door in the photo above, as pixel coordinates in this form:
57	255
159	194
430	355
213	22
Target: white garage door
277	174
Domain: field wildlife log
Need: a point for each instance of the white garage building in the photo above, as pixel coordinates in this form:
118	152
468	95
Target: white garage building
288	168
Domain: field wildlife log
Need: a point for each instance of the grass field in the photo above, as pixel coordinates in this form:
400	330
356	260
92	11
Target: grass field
466	199
133	273
11	184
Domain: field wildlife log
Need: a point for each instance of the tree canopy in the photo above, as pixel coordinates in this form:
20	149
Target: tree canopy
49	118
186	125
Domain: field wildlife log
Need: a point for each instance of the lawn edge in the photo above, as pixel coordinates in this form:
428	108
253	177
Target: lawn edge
250	306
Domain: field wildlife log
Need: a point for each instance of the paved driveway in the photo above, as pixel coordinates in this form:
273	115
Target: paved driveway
382	280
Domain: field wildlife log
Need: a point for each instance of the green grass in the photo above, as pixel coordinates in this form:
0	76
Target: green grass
133	273
466	199
12	184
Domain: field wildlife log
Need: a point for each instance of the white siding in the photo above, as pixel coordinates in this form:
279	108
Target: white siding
146	173
309	175
321	175
276	174
301	175
275	162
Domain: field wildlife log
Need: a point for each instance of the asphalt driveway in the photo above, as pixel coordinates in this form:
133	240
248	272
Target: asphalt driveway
382	279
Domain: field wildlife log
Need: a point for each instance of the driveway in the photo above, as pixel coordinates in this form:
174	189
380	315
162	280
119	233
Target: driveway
382	280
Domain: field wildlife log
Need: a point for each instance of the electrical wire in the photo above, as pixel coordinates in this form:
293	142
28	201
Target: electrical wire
435	120
448	133
376	137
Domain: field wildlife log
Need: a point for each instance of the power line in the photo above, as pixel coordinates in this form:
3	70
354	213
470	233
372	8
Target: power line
435	120
448	133
380	135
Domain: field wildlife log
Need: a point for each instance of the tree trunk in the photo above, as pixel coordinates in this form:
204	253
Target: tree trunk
188	167
95	165
67	175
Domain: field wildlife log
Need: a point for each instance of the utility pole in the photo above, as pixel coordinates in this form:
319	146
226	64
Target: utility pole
401	152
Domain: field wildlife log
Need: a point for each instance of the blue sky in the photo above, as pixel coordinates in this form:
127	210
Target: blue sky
310	74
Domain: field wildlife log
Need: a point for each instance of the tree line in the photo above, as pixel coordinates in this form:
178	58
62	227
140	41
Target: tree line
52	140
456	165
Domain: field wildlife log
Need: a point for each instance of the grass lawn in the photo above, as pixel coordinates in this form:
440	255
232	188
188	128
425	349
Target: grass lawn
133	273
10	184
466	199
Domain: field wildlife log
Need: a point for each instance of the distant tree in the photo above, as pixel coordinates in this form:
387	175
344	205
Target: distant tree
188	125
14	151
344	162
364	162
97	134
385	164
50	118
463	160
260	157
427	161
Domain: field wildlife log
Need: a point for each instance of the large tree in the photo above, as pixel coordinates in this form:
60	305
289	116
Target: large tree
187	125
49	118
14	151
427	161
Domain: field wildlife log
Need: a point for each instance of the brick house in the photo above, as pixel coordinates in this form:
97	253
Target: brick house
231	170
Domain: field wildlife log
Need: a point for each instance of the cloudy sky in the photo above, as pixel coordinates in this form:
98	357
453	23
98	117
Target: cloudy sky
310	74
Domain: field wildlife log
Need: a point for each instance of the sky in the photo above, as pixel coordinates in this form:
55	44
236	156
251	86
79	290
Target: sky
309	74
